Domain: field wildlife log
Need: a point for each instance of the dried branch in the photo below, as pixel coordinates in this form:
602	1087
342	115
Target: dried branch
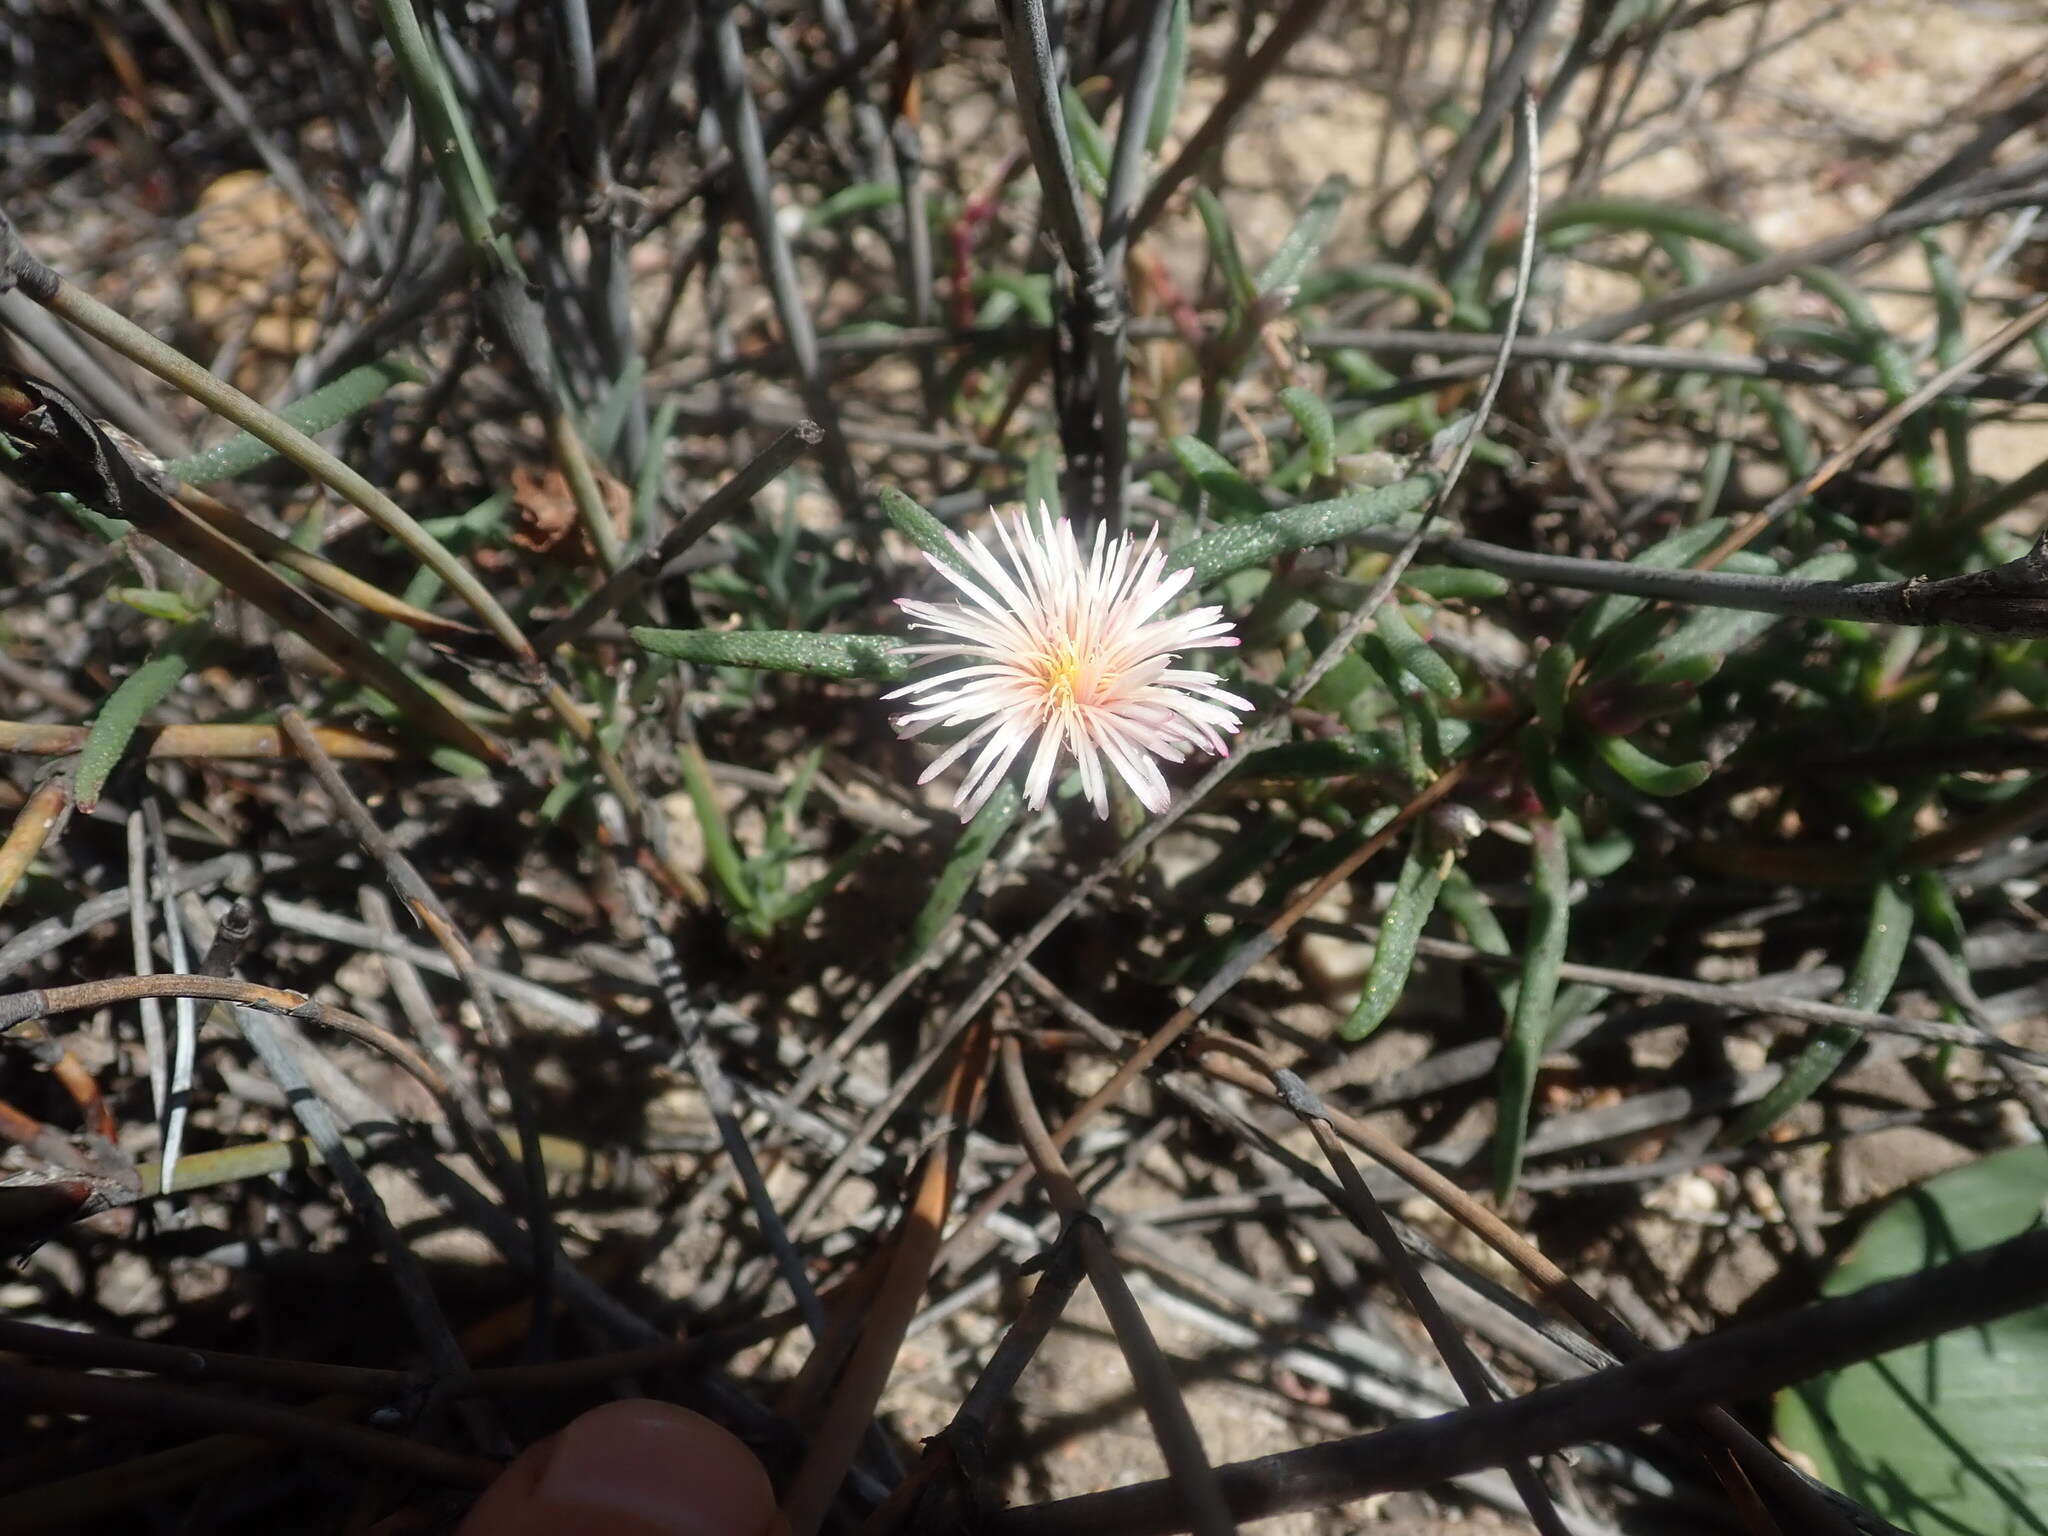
1733	1364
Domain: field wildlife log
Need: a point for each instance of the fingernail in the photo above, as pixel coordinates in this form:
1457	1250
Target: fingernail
645	1466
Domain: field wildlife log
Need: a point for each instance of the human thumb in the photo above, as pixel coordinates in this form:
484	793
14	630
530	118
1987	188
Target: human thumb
631	1468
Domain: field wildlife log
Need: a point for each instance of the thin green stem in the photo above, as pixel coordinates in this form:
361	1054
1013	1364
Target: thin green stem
174	368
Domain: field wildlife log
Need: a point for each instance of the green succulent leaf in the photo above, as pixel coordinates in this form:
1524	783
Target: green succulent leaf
1260	540
845	657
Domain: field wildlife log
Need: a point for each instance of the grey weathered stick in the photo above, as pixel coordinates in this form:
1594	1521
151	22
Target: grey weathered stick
1749	278
585	138
1643	357
1127	161
1760	1467
416	1296
1292	25
1762	1002
231	936
733	100
275	157
139	929
530	1183
85	376
1558	348
1480	226
2009	599
568	1012
643	569
48	1002
55	1391
1364	1209
1731	1365
1740	281
687	1018
433	1035
1179	1441
1955	981
184	1012
1092	388
1314	1365
1508	82
55	932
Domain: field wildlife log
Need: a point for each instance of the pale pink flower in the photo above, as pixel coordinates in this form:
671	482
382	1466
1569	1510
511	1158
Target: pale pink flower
1068	650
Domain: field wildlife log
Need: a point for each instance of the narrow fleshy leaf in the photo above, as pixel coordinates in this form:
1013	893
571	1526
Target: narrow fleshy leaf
872	657
721	857
1413	654
1647	774
861	197
1887	932
920	527
1091	148
970	854
1318	428
1172	76
1455	583
1393	956
1681	548
325	407
1237	278
1042	479
129	704
1217	476
1253	541
1529	1030
1554	669
1282	274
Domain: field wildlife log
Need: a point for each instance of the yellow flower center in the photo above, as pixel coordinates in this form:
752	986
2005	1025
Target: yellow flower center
1059	673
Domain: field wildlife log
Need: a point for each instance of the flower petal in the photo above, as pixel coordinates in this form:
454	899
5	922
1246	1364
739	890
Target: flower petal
1060	647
